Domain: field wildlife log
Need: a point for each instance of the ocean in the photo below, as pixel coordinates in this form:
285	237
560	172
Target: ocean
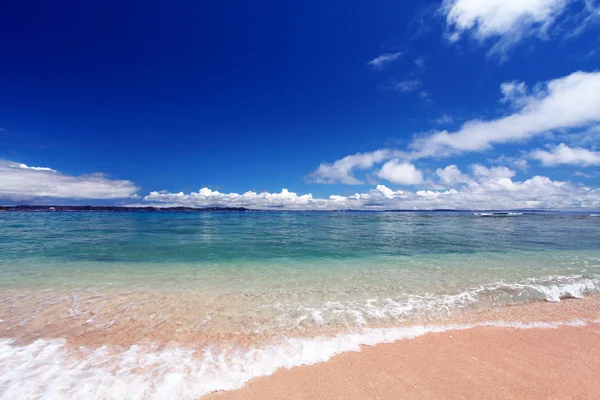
135	305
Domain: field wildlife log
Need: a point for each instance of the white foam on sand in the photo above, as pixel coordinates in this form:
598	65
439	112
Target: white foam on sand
362	313
49	369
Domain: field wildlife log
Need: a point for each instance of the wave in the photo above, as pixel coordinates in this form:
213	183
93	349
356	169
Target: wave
54	369
50	369
431	306
497	214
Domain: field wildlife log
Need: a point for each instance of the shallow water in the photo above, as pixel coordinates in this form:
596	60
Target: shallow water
210	287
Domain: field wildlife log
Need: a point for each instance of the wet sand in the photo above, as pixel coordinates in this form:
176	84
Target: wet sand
478	363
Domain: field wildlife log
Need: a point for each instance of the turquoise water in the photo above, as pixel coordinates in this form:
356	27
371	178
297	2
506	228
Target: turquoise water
321	268
419	252
156	305
238	237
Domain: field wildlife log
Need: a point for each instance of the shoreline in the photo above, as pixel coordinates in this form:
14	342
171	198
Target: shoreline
63	369
494	362
125	317
482	362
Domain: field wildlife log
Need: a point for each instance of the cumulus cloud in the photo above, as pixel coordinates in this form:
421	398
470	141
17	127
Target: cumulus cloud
20	182
207	197
490	190
384	60
401	173
341	170
563	154
560	104
451	176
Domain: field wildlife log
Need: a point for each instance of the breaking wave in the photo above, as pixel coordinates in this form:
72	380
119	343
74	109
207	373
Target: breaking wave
432	306
50	369
54	369
497	214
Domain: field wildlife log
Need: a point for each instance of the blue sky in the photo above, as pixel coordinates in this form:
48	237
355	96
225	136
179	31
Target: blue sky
460	104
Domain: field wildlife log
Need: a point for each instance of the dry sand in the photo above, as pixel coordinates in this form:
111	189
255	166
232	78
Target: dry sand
479	363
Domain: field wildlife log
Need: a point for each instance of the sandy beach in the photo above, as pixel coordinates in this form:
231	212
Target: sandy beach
477	363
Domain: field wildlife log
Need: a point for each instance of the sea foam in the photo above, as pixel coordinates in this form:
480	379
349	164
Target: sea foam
407	307
49	369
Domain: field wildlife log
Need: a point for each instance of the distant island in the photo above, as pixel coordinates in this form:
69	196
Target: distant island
67	208
33	208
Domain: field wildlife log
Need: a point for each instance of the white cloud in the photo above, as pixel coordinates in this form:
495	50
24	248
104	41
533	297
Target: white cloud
384	60
19	182
513	92
505	21
516	162
341	170
563	154
560	104
585	137
586	174
401	173
520	163
451	176
491	191
569	102
25	166
208	197
482	172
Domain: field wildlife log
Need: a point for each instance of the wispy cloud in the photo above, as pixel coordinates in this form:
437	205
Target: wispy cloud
443	119
569	102
409	85
420	64
514	162
426	96
587	174
384	60
589	15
